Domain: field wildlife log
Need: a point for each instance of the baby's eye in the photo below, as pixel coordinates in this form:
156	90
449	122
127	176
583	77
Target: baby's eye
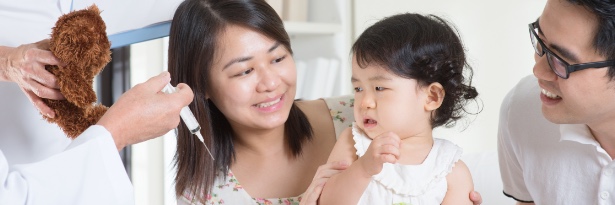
358	89
245	72
380	88
280	59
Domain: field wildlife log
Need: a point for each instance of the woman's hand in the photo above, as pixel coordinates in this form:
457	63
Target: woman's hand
384	148
324	172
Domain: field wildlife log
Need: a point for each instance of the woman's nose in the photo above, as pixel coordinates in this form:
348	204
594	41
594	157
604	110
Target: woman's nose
269	80
542	70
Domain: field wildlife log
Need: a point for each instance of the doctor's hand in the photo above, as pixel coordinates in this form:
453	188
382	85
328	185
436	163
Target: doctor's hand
25	65
143	112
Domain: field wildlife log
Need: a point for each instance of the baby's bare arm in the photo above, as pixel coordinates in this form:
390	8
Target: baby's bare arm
459	185
347	186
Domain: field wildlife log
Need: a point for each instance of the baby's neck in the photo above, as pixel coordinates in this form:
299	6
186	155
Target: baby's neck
414	150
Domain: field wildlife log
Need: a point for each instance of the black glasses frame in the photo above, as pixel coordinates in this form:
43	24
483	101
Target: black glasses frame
552	57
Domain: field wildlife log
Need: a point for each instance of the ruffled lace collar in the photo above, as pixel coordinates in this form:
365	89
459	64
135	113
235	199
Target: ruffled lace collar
413	180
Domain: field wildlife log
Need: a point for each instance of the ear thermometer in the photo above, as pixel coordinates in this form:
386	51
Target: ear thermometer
189	119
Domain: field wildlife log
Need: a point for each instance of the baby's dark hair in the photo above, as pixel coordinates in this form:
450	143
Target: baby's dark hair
425	48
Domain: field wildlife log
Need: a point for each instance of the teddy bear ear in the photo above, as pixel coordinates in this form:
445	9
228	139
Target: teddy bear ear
93	8
80	38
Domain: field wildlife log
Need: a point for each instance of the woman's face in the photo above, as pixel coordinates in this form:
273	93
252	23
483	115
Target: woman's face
252	79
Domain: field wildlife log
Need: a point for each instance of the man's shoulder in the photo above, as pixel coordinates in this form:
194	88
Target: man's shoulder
525	93
521	112
522	101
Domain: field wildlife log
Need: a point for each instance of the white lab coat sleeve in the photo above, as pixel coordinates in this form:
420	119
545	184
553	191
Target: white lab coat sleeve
89	171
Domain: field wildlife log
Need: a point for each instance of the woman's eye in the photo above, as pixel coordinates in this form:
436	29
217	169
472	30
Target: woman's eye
358	89
245	72
280	59
379	88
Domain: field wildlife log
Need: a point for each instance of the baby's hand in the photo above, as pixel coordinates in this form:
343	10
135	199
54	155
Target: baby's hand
384	148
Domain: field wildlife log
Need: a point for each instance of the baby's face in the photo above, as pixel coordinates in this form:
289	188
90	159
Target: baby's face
386	102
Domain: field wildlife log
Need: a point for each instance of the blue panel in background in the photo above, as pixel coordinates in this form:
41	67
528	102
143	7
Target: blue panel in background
150	32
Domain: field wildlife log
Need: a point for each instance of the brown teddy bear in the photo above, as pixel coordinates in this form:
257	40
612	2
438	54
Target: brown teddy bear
80	41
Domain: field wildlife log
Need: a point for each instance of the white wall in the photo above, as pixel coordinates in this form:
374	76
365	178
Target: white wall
496	37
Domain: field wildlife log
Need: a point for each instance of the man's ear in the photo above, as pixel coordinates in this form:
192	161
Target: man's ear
435	96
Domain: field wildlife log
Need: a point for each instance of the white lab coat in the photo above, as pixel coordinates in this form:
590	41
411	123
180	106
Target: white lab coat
38	163
25	136
89	171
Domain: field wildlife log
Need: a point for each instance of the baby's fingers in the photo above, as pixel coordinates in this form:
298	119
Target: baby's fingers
390	149
388	153
388	138
389	158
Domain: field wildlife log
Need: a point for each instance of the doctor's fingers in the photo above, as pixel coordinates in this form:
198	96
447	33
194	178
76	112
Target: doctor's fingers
45	56
31	66
39	104
43	44
174	103
184	94
35	92
41	90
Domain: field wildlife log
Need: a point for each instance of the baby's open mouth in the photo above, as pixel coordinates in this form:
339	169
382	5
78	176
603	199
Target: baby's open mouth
369	121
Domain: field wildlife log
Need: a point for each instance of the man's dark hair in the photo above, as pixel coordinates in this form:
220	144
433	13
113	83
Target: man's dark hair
604	39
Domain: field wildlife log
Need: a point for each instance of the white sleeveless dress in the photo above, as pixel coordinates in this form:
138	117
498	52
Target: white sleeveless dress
410	184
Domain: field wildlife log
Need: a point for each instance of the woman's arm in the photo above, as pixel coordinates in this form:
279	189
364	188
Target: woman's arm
324	172
459	185
347	186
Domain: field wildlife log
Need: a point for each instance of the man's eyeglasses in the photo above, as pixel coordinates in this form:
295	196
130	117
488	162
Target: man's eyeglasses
557	64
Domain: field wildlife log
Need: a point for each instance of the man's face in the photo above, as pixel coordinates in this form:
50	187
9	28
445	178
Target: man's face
587	96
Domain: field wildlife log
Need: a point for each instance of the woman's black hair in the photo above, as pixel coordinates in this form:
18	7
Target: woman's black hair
425	48
195	30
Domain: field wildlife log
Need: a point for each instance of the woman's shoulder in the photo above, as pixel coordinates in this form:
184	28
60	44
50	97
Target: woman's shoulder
333	111
315	110
318	115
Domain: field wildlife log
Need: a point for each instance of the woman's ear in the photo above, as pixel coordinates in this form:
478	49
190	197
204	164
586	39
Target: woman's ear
435	96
